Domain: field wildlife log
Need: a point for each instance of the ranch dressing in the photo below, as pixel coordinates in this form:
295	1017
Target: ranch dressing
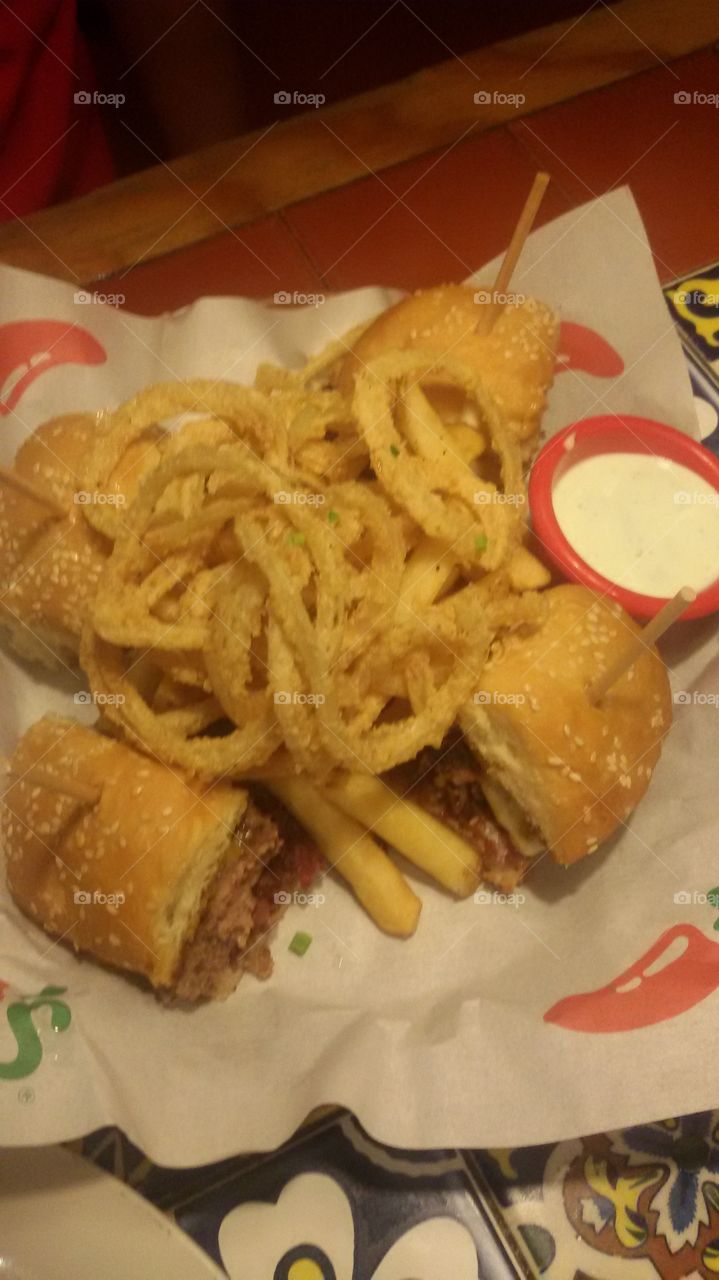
647	523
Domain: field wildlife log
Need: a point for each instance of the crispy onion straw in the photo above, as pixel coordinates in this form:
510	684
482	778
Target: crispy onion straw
303	638
416	462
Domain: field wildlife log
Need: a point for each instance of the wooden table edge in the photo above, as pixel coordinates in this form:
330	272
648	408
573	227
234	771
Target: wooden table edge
233	183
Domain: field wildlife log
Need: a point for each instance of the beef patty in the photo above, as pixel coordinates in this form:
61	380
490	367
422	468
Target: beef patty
269	857
446	781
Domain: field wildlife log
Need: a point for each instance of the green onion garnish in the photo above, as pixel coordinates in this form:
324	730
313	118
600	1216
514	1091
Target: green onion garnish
300	944
297	539
480	542
394	450
333	516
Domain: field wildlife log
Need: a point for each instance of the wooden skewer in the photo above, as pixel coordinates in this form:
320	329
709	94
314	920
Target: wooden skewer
32	490
516	244
59	783
672	610
521	231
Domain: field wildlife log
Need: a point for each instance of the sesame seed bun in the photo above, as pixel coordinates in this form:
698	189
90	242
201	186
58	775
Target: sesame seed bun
560	768
49	565
50	457
515	359
153	836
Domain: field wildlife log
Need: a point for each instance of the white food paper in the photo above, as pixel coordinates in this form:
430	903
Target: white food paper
440	1040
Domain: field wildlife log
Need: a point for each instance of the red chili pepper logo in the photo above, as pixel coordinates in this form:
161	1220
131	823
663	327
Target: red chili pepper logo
585	349
679	970
4	986
29	347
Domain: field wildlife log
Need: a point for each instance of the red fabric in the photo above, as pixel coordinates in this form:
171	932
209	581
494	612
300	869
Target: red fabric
51	148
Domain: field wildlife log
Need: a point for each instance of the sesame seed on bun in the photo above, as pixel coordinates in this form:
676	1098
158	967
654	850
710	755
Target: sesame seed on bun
515	359
569	772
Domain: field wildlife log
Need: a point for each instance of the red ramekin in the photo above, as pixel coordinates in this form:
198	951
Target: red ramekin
612	433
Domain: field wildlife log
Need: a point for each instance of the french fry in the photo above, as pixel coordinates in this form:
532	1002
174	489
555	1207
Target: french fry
422	426
376	881
429	569
467	441
427	843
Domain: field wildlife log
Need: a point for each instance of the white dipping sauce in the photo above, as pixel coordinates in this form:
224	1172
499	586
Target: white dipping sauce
647	523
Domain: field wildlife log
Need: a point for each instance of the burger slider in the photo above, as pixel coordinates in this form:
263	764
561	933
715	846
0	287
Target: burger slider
514	359
51	558
537	767
50	563
162	876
